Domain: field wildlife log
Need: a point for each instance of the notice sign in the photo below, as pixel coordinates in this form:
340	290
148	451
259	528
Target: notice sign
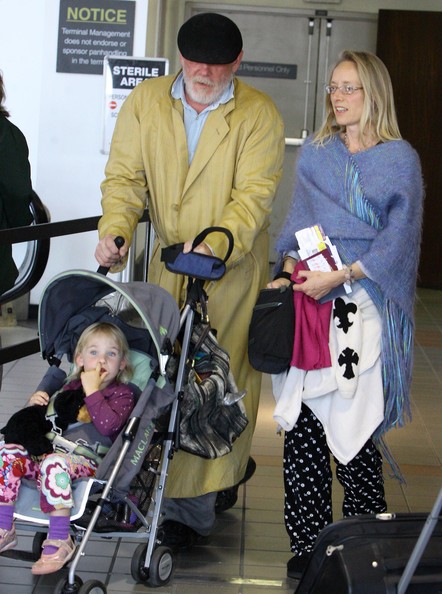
89	30
121	75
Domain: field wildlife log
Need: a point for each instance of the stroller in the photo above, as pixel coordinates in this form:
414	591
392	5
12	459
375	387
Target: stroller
132	475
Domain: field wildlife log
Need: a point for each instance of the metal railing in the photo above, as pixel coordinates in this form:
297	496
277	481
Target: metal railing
40	233
36	257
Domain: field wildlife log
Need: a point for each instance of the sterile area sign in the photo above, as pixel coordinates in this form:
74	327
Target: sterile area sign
121	76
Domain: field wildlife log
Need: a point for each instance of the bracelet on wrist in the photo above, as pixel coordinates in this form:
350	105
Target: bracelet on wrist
283	274
349	274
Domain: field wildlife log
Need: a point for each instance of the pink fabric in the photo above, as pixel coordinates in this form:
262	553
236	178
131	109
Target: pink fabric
312	329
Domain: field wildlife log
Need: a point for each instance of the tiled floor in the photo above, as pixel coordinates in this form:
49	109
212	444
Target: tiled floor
248	551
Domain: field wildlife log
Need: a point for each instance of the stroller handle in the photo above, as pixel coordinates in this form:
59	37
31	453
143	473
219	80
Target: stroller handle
119	242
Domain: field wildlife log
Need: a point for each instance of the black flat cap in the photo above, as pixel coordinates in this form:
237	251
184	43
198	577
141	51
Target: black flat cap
210	38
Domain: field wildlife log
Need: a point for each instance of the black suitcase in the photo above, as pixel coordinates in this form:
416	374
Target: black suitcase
378	554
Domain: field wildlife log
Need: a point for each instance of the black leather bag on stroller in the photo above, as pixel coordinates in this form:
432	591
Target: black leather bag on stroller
212	412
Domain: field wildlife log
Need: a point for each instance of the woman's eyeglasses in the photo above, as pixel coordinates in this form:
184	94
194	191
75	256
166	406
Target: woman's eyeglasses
345	89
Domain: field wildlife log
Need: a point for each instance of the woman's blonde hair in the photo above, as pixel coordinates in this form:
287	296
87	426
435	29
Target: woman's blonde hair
111	331
379	114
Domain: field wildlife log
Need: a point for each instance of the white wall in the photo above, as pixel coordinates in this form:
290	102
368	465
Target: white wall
61	116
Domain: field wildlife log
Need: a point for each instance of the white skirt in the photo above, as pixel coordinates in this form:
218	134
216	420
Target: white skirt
347	397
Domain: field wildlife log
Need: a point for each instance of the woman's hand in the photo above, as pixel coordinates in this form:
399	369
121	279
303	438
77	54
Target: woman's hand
318	284
279	282
39	398
287	270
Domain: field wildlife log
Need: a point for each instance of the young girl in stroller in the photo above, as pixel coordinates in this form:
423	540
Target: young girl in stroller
101	371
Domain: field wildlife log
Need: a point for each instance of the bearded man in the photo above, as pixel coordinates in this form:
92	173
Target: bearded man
200	148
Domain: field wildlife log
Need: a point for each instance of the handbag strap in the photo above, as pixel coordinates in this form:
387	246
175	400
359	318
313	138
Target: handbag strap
205	329
202	236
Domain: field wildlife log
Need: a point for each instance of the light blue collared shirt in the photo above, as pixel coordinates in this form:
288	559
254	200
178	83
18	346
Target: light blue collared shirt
193	121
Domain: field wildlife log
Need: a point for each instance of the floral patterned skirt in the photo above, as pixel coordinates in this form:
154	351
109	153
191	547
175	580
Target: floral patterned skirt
53	473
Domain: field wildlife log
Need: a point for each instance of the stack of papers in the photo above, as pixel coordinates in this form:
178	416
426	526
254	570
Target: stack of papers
318	253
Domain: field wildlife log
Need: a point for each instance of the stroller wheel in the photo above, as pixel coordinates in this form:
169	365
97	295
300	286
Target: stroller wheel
64	587
138	571
37	543
92	587
160	570
161	567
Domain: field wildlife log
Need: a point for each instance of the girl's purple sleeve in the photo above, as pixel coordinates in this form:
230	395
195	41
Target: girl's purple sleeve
110	408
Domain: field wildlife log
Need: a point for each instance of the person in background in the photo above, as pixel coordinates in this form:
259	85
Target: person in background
15	188
100	371
201	148
15	191
362	183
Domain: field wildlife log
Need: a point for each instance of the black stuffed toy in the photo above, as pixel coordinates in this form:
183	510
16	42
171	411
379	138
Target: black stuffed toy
28	427
67	406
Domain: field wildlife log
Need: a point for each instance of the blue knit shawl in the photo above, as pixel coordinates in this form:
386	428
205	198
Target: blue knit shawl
370	205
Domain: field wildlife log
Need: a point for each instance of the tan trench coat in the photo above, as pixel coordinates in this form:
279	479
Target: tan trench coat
231	182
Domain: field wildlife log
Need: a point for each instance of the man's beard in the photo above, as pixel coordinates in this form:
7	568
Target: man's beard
208	94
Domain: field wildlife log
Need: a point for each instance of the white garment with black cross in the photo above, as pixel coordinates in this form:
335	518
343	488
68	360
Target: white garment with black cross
347	397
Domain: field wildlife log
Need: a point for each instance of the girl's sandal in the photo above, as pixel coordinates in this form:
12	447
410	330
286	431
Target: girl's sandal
51	563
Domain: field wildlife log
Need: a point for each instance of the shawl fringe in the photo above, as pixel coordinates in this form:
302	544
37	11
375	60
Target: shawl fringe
397	362
388	456
357	202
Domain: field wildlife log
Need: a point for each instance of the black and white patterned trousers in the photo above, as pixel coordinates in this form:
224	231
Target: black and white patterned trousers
308	482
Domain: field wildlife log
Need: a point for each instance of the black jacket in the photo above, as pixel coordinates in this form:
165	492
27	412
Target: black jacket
15	193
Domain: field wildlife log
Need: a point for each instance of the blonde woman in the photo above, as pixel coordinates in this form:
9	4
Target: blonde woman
100	369
362	183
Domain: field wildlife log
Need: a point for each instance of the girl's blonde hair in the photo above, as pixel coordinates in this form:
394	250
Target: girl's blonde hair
111	331
378	118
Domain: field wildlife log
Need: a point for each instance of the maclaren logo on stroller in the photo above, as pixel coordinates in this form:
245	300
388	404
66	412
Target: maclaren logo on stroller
143	444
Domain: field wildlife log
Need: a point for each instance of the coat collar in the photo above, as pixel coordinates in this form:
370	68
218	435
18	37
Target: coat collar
212	135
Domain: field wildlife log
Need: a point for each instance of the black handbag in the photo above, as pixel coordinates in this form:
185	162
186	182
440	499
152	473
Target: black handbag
271	330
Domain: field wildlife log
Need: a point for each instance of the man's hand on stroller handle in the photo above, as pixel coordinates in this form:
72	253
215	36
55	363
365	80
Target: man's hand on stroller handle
39	398
108	253
201	248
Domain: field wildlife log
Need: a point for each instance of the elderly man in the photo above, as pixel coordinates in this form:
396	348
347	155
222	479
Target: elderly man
202	149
